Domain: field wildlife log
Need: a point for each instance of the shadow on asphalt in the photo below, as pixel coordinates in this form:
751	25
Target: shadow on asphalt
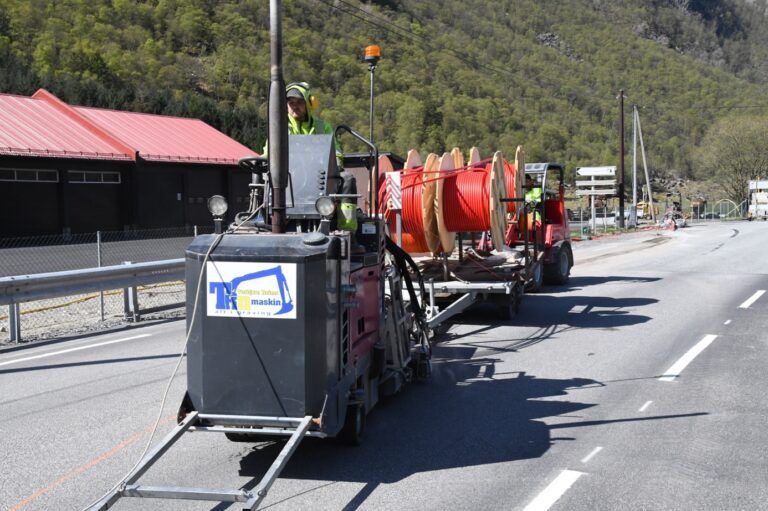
576	283
466	415
551	315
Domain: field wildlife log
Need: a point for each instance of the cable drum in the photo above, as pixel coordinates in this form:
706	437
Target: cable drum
444	197
417	185
470	201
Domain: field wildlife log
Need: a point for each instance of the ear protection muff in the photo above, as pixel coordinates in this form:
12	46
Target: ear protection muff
313	102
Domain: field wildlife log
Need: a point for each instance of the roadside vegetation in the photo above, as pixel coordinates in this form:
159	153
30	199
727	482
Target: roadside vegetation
495	74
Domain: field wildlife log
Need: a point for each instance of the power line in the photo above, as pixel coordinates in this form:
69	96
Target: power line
391	27
348	8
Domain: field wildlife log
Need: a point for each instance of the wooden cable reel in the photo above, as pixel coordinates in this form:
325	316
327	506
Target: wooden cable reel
444	197
448	162
456	204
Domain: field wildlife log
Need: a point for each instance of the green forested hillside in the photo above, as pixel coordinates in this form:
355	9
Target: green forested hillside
491	73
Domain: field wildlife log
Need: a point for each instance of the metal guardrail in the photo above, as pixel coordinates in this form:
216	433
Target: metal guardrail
24	288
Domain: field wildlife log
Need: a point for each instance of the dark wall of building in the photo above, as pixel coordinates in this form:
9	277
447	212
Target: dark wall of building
159	197
91	207
45	206
239	192
28	209
99	195
202	183
176	195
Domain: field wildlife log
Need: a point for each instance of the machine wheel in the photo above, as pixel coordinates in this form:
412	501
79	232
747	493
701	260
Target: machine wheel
354	424
536	280
508	306
559	271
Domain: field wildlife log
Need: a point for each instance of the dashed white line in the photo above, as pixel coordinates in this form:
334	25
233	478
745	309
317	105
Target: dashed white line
752	299
579	309
554	491
592	454
674	371
70	350
645	406
728	322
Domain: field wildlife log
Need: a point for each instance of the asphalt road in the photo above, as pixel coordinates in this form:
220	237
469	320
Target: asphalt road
638	386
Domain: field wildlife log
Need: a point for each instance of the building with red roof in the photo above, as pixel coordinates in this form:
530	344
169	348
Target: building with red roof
68	169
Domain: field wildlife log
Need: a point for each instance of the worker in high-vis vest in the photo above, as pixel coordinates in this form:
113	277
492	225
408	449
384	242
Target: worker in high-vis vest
303	121
533	196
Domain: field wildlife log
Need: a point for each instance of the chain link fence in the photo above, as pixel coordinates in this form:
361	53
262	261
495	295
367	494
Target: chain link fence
75	315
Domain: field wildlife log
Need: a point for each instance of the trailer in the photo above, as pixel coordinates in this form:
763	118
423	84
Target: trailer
537	250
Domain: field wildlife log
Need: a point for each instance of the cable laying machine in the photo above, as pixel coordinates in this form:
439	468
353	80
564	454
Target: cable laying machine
295	328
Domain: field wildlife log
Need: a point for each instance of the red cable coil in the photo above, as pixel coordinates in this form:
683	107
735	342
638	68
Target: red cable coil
412	183
466	198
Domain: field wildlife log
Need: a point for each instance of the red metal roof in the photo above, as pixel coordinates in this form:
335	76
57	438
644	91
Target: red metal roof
34	127
43	125
164	138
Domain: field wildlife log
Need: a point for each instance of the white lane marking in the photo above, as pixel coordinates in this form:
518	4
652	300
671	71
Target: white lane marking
677	368
592	454
554	491
578	309
752	299
645	406
70	350
728	322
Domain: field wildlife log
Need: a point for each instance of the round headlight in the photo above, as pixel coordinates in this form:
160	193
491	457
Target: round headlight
217	205
325	206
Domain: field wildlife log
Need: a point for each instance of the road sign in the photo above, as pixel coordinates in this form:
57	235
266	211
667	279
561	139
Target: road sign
601	182
583	193
596	171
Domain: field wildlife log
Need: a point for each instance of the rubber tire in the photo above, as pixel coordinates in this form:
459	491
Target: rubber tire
354	425
559	271
537	279
507	305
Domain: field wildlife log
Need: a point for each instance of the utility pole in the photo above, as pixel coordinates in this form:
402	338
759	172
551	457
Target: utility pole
633	209
621	158
645	167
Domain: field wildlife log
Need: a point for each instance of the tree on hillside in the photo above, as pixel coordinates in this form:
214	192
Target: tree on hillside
733	152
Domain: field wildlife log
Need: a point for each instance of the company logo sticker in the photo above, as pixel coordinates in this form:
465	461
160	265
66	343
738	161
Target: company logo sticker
251	290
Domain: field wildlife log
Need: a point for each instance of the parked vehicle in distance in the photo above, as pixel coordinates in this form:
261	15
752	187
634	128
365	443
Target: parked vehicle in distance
758	200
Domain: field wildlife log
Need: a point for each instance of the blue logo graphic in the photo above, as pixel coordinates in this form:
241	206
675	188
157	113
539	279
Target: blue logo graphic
228	298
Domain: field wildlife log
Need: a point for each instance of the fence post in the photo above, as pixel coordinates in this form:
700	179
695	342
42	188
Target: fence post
130	301
14	323
98	262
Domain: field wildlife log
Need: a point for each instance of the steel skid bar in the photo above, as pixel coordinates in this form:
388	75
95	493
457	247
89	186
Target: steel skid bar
251	499
470	292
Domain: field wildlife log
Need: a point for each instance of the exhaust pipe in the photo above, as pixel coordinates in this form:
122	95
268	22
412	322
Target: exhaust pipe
278	119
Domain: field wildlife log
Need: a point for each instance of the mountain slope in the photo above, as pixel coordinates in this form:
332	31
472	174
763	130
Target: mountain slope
492	73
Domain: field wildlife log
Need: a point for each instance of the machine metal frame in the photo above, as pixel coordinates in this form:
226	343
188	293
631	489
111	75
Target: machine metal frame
299	428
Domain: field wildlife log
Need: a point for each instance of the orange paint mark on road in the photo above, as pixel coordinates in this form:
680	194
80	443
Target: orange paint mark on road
92	463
